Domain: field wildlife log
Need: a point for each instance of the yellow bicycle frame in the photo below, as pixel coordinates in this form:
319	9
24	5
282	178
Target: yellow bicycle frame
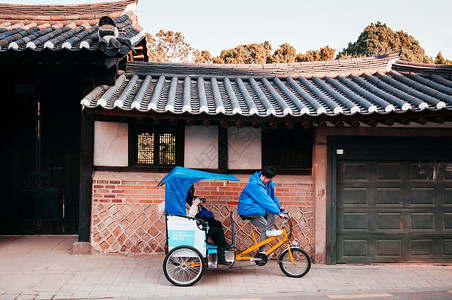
242	255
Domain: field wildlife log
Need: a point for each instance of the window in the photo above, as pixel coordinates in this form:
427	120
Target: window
158	145
288	150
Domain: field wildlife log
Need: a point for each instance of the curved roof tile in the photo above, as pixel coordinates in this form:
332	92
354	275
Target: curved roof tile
363	86
71	27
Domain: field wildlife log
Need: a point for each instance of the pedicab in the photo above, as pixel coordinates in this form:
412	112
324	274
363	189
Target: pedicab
188	250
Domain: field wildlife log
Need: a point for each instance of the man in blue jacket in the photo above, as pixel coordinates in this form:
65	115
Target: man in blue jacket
259	203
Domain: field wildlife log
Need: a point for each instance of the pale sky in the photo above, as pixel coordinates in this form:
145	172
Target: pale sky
306	25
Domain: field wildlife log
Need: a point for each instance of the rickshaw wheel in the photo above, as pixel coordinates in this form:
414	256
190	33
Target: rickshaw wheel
183	266
302	262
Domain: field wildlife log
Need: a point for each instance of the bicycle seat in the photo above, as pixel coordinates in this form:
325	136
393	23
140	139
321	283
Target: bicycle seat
244	218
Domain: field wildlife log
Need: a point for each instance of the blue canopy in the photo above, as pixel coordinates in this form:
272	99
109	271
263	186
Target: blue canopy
179	181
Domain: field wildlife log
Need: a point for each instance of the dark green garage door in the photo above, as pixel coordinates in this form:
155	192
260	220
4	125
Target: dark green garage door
393	211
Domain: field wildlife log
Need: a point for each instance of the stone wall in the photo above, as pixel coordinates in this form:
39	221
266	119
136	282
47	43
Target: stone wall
125	218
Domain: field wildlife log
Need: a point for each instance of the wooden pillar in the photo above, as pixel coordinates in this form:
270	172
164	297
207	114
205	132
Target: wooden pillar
222	149
86	182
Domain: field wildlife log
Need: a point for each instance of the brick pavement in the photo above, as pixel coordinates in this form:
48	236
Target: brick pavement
42	267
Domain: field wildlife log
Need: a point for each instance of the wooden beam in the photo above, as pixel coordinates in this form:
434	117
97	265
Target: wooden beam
439	120
322	124
190	123
289	125
274	125
421	121
206	123
371	123
173	122
404	121
387	122
339	124
354	124
239	124
306	124
224	124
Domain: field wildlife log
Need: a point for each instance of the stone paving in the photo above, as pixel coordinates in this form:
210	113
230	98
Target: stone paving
42	267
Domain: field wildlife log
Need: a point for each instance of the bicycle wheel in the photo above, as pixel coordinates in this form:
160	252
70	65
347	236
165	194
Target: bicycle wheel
183	266
301	259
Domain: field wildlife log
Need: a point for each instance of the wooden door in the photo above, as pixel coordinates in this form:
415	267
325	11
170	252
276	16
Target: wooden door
40	159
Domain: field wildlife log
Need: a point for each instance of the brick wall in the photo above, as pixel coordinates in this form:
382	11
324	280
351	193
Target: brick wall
125	218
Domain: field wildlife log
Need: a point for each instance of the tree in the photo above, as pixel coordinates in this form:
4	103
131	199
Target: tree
261	54
377	39
325	53
170	46
202	57
284	54
440	60
245	54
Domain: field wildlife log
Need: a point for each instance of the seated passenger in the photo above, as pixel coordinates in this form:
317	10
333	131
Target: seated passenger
215	231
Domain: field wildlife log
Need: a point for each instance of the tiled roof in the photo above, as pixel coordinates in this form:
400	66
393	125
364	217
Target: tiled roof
342	87
71	27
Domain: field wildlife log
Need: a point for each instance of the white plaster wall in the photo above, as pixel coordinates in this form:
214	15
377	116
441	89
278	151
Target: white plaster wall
111	144
201	147
244	148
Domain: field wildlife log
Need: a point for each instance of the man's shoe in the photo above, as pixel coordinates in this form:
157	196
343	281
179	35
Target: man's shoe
222	263
273	232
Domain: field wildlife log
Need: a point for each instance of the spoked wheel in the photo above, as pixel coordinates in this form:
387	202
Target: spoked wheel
183	266
301	259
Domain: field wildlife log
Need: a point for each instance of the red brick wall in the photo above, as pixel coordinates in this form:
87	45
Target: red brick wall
125	218
117	191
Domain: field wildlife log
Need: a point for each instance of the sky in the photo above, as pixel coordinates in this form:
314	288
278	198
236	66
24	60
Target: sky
306	25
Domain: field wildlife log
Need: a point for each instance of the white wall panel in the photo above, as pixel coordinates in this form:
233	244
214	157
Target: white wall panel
111	144
201	147
244	148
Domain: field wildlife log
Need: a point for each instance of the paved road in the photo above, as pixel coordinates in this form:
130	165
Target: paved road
42	267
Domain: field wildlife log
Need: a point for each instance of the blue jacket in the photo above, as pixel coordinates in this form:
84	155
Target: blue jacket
257	198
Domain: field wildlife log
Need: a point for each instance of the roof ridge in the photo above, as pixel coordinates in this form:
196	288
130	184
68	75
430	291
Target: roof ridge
27	11
415	67
306	69
425	65
106	3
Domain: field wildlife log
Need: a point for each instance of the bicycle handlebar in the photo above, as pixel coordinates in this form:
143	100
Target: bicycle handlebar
288	220
286	212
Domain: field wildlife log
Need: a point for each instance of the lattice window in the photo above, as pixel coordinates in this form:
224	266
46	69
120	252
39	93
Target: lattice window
287	150
156	148
146	148
167	149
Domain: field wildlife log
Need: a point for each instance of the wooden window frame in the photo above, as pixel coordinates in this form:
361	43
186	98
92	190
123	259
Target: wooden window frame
161	128
295	162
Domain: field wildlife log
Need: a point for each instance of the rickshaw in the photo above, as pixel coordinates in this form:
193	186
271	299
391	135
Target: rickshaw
188	250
